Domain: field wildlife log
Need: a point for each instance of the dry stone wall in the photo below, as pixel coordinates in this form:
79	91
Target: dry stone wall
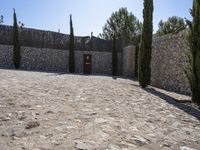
45	50
169	57
35	58
101	62
56	60
128	61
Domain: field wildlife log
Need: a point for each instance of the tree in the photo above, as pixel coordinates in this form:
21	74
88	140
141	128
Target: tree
71	48
144	68
1	19
193	68
114	57
125	26
16	44
21	24
172	25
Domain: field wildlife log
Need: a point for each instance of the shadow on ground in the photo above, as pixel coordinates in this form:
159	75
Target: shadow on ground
188	109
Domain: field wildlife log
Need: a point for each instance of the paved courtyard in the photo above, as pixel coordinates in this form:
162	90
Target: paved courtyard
51	111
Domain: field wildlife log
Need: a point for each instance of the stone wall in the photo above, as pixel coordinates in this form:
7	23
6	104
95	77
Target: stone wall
57	60
101	62
46	50
128	69
35	58
168	62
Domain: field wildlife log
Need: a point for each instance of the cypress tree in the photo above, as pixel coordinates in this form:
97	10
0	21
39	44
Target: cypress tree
193	69
16	45
71	48
144	68
114	57
1	19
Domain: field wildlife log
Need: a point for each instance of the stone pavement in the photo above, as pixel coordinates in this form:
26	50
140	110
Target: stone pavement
50	111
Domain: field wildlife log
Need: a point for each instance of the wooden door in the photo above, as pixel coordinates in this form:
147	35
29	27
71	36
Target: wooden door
87	63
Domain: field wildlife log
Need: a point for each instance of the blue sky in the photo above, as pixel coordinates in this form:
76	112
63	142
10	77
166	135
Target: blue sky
88	15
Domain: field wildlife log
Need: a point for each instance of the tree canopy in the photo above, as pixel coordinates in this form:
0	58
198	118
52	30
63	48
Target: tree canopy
172	25
124	25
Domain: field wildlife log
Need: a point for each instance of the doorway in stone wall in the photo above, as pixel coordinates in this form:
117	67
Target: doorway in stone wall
87	63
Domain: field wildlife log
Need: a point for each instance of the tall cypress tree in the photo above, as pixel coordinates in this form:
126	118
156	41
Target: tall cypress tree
114	57
71	48
16	45
144	68
193	69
